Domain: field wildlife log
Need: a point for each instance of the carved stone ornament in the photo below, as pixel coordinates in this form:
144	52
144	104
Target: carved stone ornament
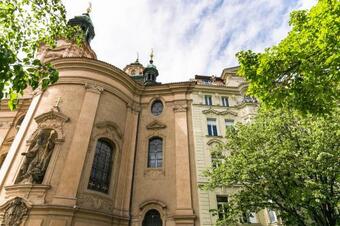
65	49
180	108
156	125
14	212
37	158
41	146
110	127
51	119
215	112
93	201
93	88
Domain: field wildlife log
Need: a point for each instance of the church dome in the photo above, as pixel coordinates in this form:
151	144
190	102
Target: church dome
85	22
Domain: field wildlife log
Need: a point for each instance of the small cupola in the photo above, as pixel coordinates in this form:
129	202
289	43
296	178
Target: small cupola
85	22
134	69
150	73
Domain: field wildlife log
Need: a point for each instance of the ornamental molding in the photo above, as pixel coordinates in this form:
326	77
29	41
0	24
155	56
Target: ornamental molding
180	108
152	202
50	120
94	201
36	193
215	141
215	112
136	107
156	125
65	49
110	127
15	211
93	88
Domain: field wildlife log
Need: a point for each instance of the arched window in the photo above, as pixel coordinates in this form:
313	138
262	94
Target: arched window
152	218
101	168
155	153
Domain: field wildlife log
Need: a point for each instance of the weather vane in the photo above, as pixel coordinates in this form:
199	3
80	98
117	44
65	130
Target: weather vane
89	9
137	60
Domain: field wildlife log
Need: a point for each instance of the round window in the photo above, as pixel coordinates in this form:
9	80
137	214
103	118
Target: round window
157	107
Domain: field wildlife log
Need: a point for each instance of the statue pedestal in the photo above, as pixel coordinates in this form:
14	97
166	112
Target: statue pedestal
35	193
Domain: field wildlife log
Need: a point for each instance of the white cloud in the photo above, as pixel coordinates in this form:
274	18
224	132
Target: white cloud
188	36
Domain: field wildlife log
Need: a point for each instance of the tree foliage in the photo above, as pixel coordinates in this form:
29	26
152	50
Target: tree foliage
286	162
24	24
302	71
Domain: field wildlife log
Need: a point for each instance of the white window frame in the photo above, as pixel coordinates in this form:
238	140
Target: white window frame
208	100
212	122
225	101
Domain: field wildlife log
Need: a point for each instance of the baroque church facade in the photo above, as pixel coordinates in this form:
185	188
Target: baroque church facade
105	146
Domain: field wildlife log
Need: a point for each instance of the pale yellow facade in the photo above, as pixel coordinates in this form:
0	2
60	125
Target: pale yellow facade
226	105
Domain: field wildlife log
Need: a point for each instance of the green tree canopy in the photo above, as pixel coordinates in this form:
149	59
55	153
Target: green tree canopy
24	24
302	71
286	162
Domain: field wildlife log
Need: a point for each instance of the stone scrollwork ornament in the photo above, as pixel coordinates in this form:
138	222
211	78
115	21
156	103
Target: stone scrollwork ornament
14	212
37	158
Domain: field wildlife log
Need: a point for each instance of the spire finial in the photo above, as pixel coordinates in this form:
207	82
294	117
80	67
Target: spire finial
89	9
137	60
151	56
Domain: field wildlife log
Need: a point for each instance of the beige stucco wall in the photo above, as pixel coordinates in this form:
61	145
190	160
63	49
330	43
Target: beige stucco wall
94	100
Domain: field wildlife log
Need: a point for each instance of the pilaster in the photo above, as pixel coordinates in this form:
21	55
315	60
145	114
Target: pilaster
184	211
73	166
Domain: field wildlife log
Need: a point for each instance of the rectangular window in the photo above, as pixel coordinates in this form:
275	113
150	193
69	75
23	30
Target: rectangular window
212	127
228	122
222	206
207	100
225	101
216	159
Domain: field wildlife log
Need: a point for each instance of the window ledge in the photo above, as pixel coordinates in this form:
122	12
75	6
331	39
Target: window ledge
211	136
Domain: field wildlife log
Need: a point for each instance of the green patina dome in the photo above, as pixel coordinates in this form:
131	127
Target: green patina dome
85	22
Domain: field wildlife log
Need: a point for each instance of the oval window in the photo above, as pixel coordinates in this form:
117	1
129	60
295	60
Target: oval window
157	107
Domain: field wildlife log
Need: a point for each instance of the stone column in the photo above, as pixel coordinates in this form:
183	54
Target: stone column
184	212
73	166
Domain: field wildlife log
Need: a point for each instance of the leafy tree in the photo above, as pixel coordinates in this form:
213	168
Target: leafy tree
285	162
24	24
302	71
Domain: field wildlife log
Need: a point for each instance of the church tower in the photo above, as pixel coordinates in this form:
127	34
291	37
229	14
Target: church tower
150	73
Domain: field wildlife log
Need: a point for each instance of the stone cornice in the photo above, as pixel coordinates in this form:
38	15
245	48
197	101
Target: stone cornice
100	67
221	89
96	66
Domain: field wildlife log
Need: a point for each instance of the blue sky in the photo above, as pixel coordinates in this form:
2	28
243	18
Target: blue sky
189	37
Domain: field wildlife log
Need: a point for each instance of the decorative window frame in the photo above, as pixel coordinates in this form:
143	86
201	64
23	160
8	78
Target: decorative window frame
154	172
152	100
113	152
153	204
109	131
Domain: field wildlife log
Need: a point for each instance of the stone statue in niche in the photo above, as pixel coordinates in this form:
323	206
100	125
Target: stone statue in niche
15	212
37	158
